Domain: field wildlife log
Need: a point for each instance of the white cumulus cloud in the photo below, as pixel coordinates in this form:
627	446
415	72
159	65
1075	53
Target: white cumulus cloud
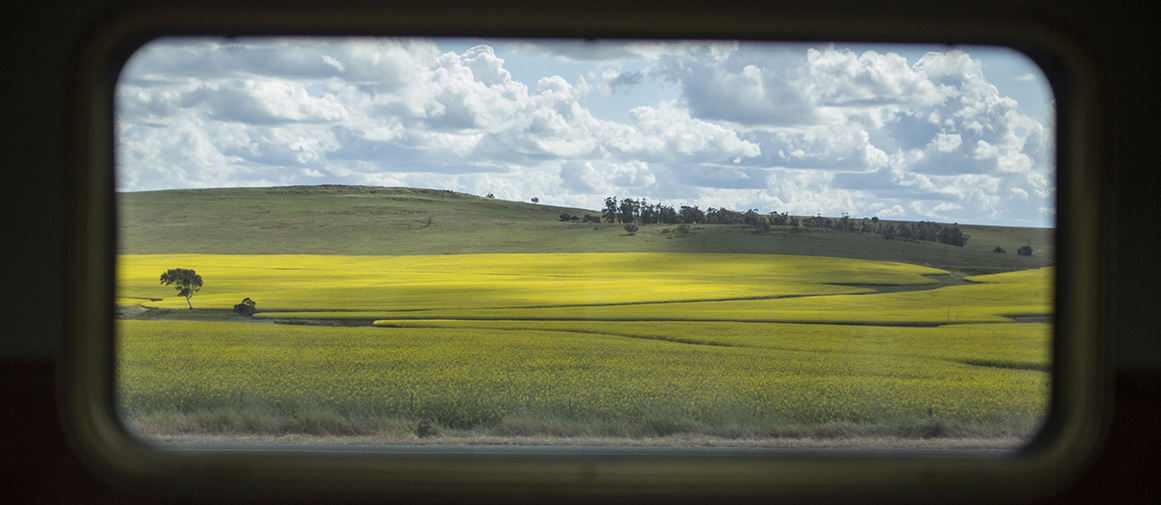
794	128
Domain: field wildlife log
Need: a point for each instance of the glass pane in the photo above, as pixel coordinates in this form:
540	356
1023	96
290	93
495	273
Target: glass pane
604	243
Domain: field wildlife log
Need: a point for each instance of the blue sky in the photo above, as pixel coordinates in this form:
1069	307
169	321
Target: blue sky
954	134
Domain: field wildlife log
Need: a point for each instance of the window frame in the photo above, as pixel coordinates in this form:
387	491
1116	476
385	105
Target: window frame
1080	383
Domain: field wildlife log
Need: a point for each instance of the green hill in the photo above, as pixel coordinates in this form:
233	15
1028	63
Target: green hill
388	221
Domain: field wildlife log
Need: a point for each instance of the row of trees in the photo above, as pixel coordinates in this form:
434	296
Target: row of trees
641	211
632	211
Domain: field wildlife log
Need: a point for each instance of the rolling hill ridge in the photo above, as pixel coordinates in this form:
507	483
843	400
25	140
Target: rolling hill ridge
364	220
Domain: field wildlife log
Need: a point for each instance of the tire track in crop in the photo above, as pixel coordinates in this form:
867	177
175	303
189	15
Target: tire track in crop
560	330
1006	364
862	353
888	324
876	289
900	288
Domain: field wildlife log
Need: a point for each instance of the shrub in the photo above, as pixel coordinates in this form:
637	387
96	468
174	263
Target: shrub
246	308
1000	250
682	230
1024	251
631	228
425	429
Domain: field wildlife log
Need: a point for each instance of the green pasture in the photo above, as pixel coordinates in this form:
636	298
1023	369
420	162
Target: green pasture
538	380
360	220
1021	346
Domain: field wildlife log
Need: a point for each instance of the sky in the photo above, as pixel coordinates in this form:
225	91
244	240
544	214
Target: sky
913	132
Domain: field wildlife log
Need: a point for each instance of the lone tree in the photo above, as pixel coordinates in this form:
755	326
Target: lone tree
187	282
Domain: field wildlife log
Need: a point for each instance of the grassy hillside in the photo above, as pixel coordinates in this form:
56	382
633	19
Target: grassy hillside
403	221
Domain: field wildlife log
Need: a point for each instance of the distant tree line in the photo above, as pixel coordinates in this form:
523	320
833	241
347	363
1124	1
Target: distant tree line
633	211
1022	251
641	211
927	231
589	218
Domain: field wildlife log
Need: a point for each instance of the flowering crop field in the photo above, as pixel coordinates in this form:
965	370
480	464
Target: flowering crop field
607	345
385	283
985	301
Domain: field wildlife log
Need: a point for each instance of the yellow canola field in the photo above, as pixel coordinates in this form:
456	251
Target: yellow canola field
619	344
486	281
983	302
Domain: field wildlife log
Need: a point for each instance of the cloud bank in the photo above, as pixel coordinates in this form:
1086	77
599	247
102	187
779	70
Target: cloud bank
799	129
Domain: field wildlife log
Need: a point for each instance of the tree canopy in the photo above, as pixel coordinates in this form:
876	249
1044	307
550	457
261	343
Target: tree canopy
185	281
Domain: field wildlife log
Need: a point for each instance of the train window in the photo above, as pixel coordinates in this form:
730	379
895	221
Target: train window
591	263
680	243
